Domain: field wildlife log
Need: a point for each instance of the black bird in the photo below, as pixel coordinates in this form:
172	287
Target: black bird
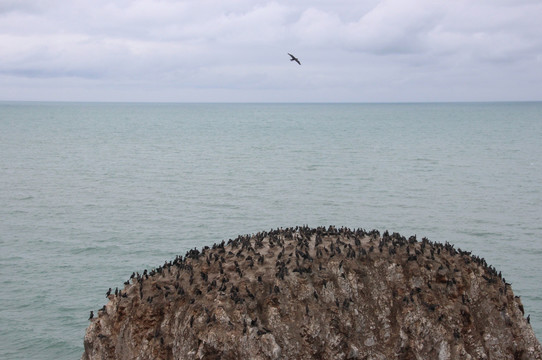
91	315
293	58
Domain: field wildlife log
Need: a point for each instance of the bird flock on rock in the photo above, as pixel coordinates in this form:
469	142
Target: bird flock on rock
231	268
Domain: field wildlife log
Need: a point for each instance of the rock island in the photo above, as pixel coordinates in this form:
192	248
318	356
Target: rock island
315	293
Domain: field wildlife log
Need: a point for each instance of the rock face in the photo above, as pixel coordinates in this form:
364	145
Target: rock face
322	293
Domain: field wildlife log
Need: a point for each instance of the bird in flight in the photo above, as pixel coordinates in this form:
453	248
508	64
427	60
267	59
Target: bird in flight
293	58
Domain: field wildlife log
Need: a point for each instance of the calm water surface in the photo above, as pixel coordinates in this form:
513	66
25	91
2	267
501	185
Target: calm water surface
90	193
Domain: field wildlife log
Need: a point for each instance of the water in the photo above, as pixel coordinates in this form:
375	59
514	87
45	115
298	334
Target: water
90	193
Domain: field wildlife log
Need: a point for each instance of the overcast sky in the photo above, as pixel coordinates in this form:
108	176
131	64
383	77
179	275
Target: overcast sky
236	50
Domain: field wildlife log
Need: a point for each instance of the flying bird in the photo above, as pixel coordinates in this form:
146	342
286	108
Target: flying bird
293	58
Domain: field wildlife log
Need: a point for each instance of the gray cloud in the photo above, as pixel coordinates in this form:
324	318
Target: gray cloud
388	50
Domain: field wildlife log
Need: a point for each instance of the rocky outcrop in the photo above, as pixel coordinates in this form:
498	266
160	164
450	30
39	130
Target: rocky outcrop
322	293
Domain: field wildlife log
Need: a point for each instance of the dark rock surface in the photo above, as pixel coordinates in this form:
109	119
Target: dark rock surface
325	293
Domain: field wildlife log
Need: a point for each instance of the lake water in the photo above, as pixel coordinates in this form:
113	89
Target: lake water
91	192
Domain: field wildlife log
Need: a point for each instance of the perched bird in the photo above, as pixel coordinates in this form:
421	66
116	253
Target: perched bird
293	58
91	315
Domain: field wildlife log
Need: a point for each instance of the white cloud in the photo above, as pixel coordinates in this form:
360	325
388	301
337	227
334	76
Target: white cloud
394	27
391	46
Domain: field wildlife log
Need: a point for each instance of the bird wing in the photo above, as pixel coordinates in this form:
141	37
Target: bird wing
293	58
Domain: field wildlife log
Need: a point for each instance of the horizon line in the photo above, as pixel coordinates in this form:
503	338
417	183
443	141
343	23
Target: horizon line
270	102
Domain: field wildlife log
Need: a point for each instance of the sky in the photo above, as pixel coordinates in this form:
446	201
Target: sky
237	50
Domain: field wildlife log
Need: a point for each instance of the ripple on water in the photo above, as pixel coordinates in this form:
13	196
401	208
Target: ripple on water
95	250
133	185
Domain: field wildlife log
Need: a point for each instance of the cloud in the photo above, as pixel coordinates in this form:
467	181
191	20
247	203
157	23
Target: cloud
241	45
487	32
394	27
23	6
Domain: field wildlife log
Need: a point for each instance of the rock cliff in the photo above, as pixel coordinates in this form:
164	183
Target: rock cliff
324	293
